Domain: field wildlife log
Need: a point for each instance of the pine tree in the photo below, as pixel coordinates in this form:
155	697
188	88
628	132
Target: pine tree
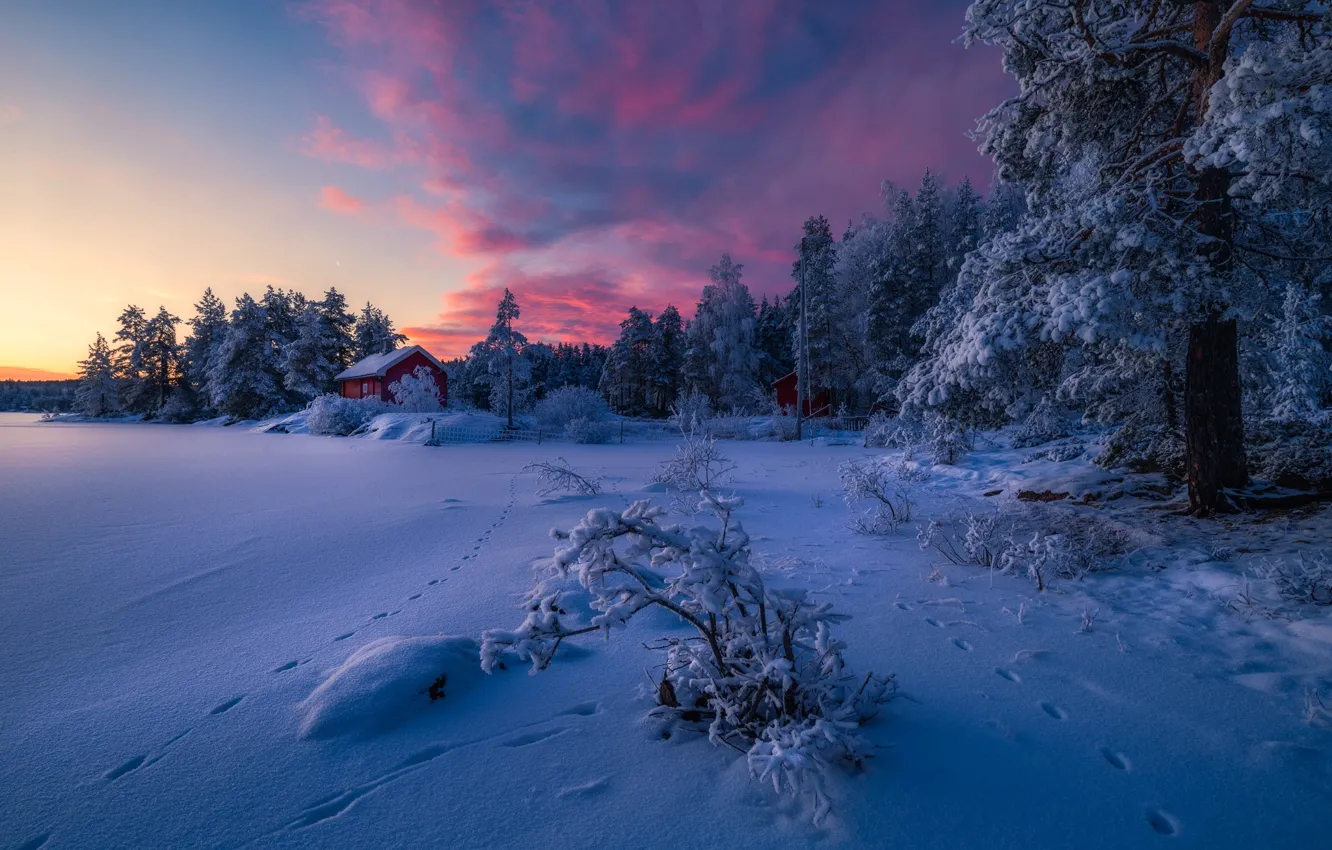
374	333
624	380
1134	224
207	329
817	253
504	348
243	378
128	359
160	358
341	326
310	361
97	393
1300	361
665	359
721	358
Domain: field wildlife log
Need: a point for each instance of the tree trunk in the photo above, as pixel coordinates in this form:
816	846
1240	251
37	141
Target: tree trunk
1213	413
509	411
1213	428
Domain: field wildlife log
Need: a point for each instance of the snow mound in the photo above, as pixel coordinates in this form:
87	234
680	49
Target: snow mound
385	684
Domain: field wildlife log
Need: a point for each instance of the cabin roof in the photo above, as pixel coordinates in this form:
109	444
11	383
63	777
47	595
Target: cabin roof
377	365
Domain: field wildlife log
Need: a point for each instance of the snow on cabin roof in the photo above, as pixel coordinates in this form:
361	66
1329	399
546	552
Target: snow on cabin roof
376	365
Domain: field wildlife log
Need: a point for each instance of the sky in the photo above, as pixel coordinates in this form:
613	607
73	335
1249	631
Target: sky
426	154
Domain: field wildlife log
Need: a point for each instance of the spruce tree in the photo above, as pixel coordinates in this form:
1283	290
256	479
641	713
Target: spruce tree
97	393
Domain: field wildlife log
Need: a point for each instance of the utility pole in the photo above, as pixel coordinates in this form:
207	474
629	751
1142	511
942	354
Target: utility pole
802	358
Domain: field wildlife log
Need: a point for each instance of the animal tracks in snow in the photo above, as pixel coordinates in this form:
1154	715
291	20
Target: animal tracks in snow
531	738
1053	710
961	644
1004	673
1161	821
1119	761
224	707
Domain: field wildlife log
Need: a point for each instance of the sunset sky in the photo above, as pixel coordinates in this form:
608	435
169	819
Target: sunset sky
424	154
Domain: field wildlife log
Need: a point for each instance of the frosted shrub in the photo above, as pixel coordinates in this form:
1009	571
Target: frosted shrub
417	392
966	538
1291	454
1042	425
1040	541
886	485
883	431
698	464
946	440
761	671
691	411
1307	579
563	406
588	431
334	415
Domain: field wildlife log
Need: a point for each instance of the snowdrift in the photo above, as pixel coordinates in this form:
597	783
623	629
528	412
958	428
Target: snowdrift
385	684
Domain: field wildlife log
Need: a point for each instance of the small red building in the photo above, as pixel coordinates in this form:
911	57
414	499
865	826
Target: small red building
788	397
372	376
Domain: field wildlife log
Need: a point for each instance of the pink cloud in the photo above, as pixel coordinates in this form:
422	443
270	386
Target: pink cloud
333	198
619	149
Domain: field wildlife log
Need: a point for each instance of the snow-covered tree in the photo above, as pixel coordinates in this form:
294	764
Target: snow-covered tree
128	359
374	333
243	380
721	356
1148	226
311	359
97	393
665	360
625	380
417	392
1300	364
503	349
341	325
208	327
816	255
160	356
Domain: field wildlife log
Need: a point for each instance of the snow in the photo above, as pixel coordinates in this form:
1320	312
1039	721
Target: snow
217	638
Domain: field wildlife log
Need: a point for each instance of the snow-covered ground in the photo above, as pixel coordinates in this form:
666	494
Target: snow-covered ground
213	638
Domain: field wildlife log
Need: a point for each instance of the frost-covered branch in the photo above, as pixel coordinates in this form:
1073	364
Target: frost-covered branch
557	476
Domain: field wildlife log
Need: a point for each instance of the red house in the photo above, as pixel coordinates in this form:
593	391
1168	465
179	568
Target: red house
372	377
788	397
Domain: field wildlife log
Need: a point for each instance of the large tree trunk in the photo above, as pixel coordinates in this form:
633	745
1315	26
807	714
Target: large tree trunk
1213	419
1213	427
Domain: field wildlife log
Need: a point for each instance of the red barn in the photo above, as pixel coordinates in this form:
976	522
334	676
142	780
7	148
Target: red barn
372	377
788	396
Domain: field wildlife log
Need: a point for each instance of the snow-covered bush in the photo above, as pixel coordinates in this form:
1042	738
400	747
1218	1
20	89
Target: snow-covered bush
1043	424
945	440
1143	447
698	464
783	427
978	539
887	485
1039	540
588	431
417	392
557	475
691	411
334	415
1292	454
761	671
1306	579
884	431
562	406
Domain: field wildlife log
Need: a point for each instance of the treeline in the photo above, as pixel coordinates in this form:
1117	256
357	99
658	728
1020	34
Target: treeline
263	356
43	396
875	300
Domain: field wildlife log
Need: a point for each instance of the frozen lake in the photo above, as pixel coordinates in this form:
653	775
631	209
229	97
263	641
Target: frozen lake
170	595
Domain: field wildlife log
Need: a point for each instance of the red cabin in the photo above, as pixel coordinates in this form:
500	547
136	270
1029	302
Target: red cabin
788	396
372	376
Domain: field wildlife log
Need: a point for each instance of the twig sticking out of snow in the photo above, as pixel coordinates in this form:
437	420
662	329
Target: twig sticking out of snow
762	672
557	476
887	486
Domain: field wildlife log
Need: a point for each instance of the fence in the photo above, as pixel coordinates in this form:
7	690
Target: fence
442	435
